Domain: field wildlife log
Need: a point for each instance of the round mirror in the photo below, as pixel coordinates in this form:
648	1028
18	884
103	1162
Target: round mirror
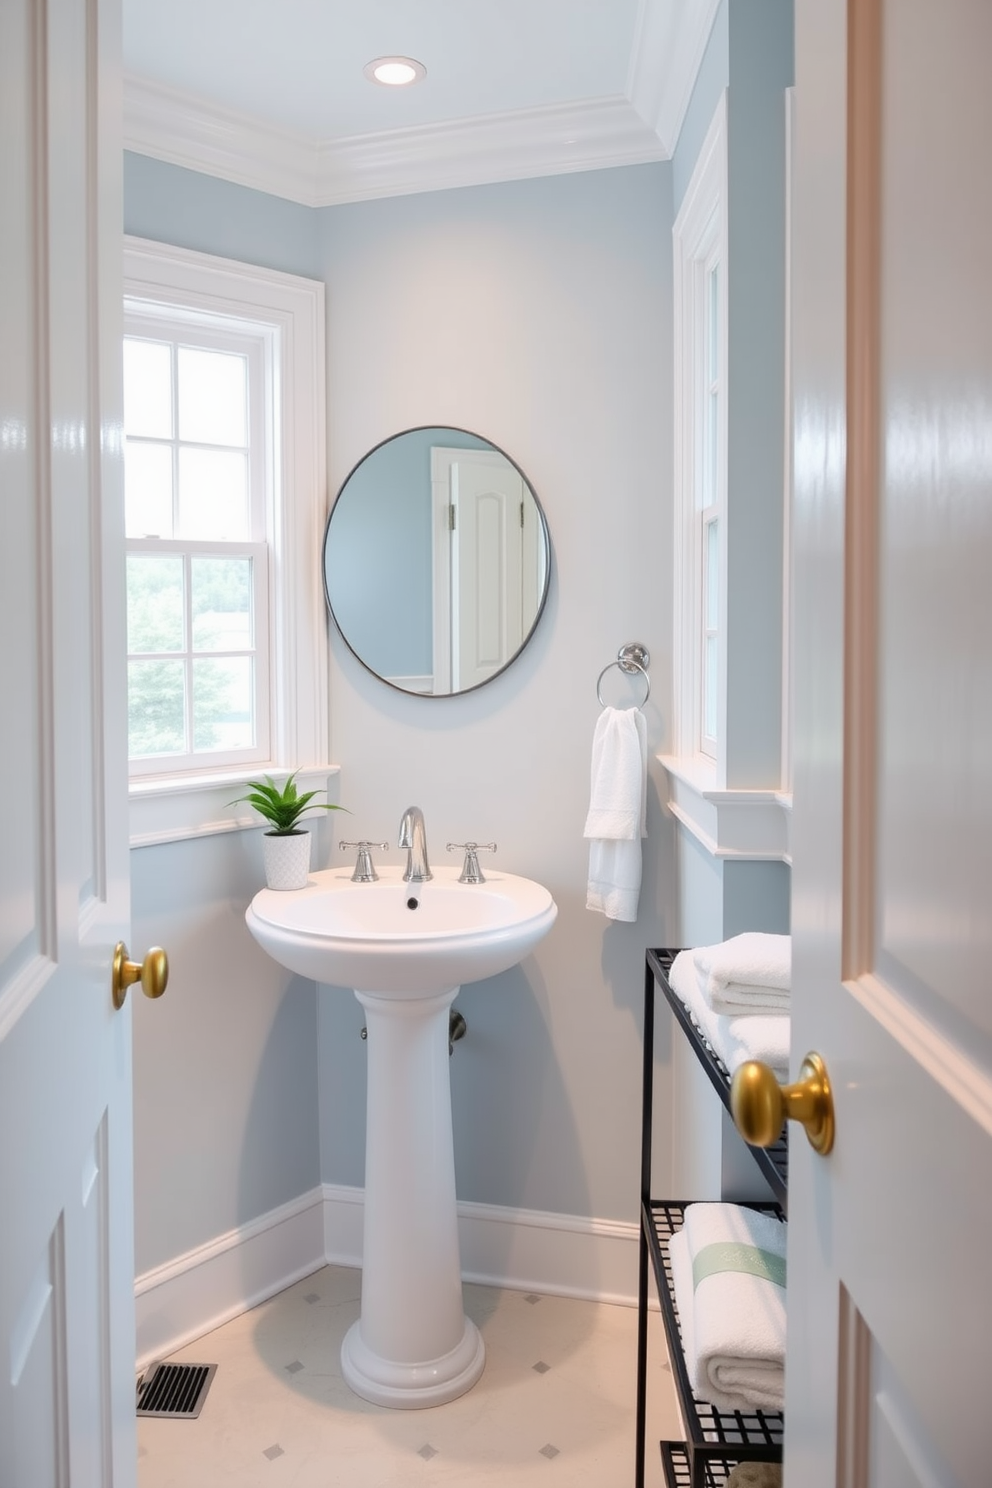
436	561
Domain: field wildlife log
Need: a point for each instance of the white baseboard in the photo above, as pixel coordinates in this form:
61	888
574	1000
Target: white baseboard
523	1249
562	1254
208	1286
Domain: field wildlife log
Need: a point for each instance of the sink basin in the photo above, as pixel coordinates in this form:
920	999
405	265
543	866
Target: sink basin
413	1346
366	936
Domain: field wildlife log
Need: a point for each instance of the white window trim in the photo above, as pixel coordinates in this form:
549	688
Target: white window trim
709	517
748	825
169	808
699	238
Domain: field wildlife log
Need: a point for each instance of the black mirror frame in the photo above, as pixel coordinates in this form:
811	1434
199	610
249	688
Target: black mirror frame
462	692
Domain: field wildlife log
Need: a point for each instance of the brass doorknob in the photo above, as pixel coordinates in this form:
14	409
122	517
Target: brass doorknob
760	1105
152	973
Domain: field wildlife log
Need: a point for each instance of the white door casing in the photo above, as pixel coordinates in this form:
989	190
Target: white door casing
889	1342
66	1262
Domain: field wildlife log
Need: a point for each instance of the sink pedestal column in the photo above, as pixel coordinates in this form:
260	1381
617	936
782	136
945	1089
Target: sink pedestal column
413	1345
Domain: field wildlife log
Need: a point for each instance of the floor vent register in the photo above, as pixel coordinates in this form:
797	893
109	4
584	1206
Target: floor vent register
175	1391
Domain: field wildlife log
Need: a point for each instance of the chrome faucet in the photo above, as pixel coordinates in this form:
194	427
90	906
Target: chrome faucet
413	837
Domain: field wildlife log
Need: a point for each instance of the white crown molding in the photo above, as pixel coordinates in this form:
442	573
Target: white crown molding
176	127
670	41
171	125
547	141
631	129
746	825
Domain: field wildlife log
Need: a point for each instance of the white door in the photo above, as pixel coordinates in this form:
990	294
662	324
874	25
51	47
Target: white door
480	542
487	495
890	1300
66	1262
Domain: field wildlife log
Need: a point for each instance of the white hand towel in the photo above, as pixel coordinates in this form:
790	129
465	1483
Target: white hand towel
728	1273
764	1036
749	973
616	819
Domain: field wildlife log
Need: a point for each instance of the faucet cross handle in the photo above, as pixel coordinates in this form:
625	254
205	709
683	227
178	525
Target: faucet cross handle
364	868
471	872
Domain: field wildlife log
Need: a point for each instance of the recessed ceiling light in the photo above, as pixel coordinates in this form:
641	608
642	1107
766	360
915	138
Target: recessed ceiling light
394	72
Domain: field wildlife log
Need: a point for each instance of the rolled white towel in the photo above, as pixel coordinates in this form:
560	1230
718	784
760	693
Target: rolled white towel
761	1036
728	1273
749	973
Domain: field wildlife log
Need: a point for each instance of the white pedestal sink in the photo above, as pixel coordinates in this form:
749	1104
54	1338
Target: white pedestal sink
413	1345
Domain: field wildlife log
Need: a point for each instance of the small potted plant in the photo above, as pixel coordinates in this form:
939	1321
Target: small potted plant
286	845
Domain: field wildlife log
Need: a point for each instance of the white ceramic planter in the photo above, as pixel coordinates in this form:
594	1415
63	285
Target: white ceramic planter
287	859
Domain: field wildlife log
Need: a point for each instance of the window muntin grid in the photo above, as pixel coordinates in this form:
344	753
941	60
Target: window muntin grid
195	496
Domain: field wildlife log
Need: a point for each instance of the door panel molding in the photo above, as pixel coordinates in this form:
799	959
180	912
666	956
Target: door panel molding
40	355
28	945
89	1281
853	1383
95	883
38	1441
900	1450
965	1081
864	66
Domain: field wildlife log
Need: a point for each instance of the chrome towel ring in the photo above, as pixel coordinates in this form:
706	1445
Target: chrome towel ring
630	658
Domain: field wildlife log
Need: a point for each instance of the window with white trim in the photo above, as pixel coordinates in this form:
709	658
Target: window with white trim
701	452
225	505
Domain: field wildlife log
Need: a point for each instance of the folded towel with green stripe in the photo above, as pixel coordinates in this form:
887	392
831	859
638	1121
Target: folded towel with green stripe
728	1273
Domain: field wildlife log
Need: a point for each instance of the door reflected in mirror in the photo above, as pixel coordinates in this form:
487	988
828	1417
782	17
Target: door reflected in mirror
436	561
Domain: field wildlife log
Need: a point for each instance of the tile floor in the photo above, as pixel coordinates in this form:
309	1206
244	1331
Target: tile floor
554	1406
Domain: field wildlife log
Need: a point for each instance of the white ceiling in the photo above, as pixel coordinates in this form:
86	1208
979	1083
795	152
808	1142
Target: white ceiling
271	93
298	63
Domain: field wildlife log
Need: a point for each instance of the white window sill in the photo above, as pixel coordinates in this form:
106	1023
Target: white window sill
174	809
747	825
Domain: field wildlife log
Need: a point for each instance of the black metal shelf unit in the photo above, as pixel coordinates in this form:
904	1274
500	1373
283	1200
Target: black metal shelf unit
715	1440
678	1473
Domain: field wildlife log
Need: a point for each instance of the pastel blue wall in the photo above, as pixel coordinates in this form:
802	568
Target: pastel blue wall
713	76
761	50
538	314
191	210
750	58
225	1065
225	1080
